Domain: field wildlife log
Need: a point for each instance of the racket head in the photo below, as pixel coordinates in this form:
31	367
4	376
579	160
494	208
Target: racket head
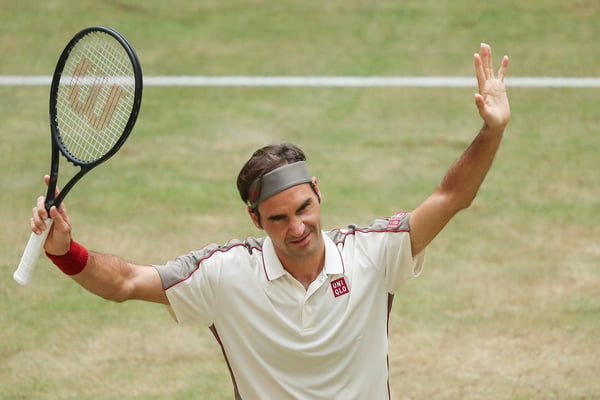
95	96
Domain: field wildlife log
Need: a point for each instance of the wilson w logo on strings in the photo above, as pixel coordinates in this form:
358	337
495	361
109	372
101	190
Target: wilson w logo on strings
95	95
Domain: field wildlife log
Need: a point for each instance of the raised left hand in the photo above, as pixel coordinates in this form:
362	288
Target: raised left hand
491	100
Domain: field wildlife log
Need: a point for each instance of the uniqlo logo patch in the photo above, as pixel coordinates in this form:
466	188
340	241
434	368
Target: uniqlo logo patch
339	287
394	221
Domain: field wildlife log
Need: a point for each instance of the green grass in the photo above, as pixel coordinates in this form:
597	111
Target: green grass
508	305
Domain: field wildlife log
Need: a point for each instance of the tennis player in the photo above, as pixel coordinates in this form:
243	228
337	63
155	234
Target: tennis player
301	313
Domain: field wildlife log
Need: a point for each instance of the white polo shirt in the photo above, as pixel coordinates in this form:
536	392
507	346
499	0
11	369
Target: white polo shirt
284	342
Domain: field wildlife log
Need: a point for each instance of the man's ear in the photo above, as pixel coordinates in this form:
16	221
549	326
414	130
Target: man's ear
315	186
255	217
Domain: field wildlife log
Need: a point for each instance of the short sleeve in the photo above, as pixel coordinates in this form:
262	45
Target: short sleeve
189	283
393	250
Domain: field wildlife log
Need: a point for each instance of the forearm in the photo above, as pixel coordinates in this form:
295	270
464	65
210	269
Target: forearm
462	181
456	191
113	278
106	276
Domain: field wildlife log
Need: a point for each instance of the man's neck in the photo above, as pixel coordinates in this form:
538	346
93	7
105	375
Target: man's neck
306	270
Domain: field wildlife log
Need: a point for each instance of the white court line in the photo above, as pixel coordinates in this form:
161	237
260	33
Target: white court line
326	81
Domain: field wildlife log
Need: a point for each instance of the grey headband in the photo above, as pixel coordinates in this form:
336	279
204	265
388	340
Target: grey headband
276	181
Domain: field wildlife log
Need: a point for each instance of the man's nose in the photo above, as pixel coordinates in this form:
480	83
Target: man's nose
297	227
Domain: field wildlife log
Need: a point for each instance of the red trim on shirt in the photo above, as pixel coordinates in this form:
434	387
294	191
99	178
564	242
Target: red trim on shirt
209	255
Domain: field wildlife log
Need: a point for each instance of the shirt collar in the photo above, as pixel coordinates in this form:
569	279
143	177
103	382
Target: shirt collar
334	265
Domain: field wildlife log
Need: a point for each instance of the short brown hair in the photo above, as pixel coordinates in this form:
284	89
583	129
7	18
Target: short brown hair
266	160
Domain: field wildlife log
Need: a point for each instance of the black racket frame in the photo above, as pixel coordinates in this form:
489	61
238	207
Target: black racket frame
57	144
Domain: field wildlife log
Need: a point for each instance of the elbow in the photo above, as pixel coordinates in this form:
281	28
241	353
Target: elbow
123	294
118	299
465	203
459	202
117	295
114	297
455	198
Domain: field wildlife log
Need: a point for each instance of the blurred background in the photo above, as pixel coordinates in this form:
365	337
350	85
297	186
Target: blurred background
508	305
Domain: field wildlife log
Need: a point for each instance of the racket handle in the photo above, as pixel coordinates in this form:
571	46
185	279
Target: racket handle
31	254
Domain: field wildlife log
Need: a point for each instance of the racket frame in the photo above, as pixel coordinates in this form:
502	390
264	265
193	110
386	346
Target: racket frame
35	244
57	143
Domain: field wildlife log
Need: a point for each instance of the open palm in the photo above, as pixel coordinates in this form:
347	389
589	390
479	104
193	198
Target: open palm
491	100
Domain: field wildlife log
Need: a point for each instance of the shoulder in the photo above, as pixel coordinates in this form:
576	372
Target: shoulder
210	259
399	222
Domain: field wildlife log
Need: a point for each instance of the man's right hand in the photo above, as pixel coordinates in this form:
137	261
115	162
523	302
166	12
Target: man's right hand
59	238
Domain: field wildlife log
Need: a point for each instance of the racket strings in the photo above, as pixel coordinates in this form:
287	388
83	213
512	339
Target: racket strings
95	97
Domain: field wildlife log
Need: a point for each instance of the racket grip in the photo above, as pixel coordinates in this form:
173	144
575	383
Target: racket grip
31	254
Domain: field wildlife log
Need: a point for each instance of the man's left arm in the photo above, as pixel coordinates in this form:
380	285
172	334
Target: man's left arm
462	181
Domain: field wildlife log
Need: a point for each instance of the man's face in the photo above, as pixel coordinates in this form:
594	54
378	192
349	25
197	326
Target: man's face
292	219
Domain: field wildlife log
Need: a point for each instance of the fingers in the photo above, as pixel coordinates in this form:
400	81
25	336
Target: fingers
39	216
39	213
491	99
502	69
479	74
47	181
482	60
483	64
56	215
486	52
479	101
484	68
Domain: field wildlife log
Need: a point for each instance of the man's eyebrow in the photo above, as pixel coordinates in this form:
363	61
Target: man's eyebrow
305	203
276	217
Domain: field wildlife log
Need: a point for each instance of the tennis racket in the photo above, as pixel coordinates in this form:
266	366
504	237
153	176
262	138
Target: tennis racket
95	97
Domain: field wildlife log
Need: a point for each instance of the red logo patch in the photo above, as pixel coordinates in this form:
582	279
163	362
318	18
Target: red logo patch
394	221
339	287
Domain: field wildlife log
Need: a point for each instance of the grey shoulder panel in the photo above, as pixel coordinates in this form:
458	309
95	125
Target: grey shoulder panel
397	222
184	266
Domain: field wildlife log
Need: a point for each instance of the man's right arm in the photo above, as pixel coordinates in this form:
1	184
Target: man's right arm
105	275
113	278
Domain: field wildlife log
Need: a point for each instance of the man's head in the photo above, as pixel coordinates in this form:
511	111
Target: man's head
269	171
283	199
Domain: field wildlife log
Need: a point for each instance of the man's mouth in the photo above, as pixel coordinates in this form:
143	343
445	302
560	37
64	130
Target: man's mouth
301	241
